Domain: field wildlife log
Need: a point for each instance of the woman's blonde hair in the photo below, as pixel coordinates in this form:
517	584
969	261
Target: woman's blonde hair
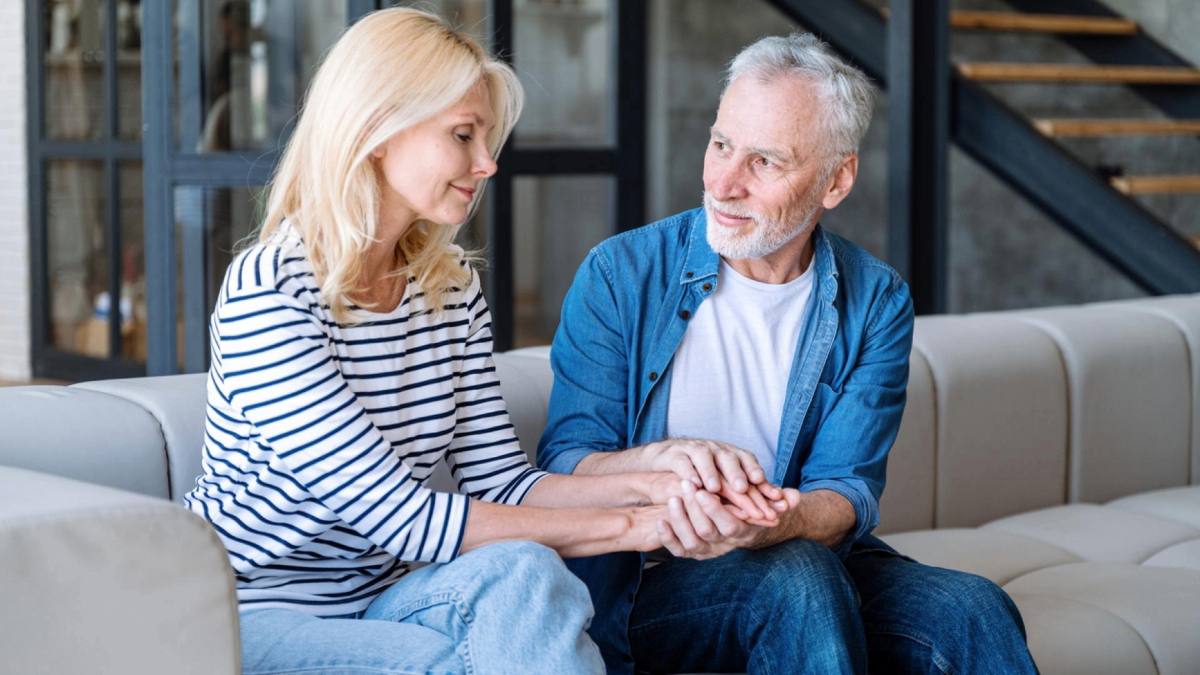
392	70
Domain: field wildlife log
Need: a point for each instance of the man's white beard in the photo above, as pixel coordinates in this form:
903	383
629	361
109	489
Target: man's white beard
764	238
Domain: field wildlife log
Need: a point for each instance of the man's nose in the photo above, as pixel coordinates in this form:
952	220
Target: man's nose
727	184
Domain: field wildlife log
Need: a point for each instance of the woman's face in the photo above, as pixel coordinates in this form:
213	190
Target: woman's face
432	171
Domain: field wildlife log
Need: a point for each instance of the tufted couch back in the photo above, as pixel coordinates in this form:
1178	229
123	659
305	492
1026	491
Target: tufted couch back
1007	412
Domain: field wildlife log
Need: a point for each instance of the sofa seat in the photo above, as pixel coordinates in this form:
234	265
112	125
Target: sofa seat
1111	588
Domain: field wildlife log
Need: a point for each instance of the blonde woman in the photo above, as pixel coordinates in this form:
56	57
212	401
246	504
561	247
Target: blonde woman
351	352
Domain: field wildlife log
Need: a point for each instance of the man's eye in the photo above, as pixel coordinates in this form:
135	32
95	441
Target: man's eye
718	145
763	161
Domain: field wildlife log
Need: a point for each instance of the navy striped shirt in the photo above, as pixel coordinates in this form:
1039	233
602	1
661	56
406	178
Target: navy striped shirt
320	436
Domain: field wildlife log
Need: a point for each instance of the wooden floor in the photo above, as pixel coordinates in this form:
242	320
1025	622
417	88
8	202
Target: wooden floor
8	383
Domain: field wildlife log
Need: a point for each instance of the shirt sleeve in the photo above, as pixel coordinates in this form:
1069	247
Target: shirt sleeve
485	457
273	364
588	403
849	451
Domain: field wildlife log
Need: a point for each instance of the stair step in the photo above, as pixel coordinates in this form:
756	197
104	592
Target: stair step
1038	23
1042	23
1116	127
1150	185
1079	74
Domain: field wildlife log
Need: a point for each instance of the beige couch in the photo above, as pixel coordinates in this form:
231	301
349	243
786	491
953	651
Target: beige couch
1055	451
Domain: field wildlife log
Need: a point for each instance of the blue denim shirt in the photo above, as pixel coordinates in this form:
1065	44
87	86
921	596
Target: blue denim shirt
622	321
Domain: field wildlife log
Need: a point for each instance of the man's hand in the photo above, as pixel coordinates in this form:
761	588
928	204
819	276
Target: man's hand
721	468
754	504
699	526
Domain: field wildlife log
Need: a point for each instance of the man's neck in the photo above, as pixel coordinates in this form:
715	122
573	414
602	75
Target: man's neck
780	267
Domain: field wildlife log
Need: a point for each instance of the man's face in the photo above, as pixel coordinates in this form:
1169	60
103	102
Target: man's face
764	170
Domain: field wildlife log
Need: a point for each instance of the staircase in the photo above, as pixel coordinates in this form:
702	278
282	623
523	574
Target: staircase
1096	204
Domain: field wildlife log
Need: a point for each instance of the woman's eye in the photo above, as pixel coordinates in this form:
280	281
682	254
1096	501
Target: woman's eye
463	137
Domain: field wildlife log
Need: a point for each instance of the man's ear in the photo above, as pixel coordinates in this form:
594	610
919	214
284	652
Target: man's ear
842	181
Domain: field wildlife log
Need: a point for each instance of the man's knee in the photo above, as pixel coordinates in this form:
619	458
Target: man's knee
802	576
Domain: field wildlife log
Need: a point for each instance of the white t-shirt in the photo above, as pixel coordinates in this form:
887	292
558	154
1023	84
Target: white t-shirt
729	376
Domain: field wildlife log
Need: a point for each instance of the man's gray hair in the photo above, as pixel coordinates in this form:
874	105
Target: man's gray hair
846	91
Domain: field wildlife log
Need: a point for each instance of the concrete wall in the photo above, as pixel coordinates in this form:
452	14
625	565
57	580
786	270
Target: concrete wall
14	219
1003	252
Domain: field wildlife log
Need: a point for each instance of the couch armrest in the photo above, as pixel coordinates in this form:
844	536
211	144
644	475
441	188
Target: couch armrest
99	580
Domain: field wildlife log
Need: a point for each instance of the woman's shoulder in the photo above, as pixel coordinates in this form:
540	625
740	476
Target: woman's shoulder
277	262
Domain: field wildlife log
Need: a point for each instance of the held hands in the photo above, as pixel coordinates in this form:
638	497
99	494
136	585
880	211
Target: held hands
699	526
723	503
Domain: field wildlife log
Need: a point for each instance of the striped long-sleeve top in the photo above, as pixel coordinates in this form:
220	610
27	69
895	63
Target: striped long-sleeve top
320	436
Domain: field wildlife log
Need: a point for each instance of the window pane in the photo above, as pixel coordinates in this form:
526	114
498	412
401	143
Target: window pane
258	58
77	261
74	65
129	70
556	221
133	262
212	226
561	51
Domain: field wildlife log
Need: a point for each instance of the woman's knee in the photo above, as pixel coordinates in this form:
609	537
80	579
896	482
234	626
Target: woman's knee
529	569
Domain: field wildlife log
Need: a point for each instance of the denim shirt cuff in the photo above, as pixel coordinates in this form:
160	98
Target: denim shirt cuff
566	461
866	509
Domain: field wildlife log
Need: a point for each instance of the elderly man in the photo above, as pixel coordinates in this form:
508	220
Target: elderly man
781	351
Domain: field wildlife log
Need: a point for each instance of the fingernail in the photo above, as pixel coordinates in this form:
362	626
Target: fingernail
702	497
758	477
714	484
674	502
687	487
696	482
741	485
781	505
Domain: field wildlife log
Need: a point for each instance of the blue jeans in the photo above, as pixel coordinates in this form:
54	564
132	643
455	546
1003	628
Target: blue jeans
511	607
795	608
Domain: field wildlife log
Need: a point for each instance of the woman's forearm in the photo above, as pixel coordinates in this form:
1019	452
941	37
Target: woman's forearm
556	490
573	532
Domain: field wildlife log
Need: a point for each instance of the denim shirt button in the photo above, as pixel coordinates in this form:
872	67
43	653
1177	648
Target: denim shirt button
685	315
690	275
707	286
653	376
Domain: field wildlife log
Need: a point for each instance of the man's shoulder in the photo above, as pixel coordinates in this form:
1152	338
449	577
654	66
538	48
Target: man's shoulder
858	265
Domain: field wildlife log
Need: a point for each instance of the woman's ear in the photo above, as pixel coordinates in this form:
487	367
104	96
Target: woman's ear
380	151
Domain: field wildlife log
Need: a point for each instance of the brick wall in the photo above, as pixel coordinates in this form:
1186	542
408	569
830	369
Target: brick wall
14	199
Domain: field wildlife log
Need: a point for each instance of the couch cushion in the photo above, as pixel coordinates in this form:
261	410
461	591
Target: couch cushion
84	435
999	556
1162	604
177	402
1184	312
1001	417
1071	636
907	502
1131	411
1097	533
1179	505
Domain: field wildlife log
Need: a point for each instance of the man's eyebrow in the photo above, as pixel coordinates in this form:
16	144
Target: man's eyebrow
777	156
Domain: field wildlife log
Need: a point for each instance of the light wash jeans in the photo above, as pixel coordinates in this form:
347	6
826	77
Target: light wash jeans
511	607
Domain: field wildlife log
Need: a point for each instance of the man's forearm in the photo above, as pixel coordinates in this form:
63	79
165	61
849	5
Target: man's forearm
823	516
